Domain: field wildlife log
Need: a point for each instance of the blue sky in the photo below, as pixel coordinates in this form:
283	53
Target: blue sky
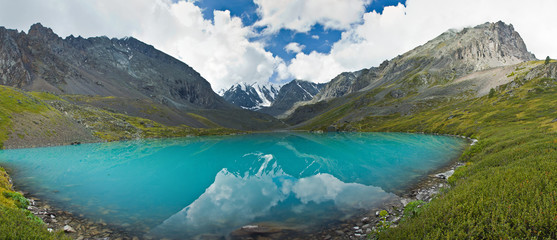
262	41
318	39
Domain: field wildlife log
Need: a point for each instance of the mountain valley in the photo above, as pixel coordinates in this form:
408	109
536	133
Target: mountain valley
479	83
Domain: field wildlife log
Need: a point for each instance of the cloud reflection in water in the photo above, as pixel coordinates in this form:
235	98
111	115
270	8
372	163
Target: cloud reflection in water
268	194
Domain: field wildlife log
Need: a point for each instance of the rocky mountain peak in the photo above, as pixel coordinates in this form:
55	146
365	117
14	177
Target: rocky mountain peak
482	47
451	55
38	31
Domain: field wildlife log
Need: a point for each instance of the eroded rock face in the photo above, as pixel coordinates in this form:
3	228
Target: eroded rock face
42	61
12	68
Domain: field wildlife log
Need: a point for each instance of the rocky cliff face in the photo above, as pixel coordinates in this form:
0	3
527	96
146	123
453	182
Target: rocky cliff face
451	55
42	61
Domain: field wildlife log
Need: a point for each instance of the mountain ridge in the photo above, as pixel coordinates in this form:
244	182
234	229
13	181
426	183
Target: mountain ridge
125	68
420	73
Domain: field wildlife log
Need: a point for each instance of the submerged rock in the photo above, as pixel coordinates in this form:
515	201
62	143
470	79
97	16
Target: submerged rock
445	175
69	229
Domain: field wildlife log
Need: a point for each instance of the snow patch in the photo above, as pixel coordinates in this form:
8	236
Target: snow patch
310	95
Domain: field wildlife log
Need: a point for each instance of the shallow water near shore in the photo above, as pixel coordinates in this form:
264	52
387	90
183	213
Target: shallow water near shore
182	188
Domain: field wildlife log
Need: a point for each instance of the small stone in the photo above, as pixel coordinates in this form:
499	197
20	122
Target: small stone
339	232
368	230
250	227
135	238
365	220
69	229
80	238
52	216
50	230
356	228
365	226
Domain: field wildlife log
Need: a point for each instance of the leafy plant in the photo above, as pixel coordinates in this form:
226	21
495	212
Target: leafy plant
413	208
20	200
383	224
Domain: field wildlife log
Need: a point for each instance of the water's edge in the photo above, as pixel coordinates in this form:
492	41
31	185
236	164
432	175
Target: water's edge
78	227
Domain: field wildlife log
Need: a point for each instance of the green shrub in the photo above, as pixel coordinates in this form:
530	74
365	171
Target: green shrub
20	200
21	224
413	208
383	224
491	93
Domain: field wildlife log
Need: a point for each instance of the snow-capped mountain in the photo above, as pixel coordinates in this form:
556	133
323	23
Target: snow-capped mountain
270	98
291	93
252	96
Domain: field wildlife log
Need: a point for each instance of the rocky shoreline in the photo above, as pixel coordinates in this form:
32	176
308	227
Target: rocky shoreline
75	226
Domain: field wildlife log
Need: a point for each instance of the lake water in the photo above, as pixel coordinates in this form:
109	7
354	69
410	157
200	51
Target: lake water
181	188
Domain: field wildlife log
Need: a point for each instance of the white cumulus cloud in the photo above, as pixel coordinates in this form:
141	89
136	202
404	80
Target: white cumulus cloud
301	15
294	47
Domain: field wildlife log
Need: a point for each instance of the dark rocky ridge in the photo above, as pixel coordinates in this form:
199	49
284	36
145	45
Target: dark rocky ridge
40	60
126	68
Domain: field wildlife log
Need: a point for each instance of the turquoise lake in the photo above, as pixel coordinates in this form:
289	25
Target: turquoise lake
181	188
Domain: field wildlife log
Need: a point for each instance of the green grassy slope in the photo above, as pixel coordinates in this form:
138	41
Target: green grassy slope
508	189
16	222
114	126
33	112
